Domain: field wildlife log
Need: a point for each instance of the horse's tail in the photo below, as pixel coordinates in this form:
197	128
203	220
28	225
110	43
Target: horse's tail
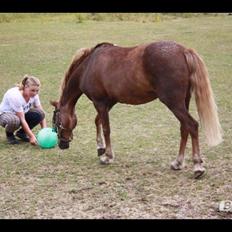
76	60
206	106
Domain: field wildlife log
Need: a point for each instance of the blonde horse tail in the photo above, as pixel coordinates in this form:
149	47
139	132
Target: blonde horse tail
206	106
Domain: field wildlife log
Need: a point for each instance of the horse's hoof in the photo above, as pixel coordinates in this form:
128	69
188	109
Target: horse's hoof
101	151
106	160
199	172
176	165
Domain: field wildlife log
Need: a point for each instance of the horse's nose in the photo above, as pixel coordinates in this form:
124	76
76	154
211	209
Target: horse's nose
63	145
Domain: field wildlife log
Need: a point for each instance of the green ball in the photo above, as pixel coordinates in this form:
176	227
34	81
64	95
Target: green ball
47	138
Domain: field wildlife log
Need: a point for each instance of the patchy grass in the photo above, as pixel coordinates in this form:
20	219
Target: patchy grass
37	183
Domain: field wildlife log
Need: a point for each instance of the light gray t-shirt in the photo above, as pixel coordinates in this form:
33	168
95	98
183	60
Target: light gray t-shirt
13	102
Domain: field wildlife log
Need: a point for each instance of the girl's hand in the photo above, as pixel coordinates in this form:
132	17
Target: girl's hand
33	140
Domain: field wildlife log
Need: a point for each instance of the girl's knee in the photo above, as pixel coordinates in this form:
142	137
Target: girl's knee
41	114
34	117
10	121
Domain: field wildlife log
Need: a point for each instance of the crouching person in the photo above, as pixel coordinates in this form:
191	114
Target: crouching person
21	110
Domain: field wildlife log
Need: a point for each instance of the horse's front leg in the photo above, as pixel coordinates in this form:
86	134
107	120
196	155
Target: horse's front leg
100	140
103	112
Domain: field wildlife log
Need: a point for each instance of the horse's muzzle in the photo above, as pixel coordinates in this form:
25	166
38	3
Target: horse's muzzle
63	145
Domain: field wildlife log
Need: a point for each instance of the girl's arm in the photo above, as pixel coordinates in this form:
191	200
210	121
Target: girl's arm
43	123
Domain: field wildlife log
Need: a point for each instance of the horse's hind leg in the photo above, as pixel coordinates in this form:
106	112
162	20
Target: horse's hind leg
190	125
197	161
100	140
178	163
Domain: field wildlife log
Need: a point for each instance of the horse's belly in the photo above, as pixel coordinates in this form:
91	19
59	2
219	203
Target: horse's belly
134	92
136	99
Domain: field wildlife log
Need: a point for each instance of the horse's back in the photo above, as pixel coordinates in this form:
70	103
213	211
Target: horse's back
117	73
134	74
152	57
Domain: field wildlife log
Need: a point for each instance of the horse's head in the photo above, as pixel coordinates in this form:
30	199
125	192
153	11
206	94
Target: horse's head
64	123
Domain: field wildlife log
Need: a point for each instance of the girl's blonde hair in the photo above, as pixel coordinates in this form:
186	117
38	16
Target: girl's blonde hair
29	81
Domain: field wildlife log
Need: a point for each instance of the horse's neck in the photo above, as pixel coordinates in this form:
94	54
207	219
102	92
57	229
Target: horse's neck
69	97
71	91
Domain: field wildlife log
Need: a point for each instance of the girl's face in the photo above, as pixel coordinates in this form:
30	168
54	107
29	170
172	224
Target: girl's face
31	91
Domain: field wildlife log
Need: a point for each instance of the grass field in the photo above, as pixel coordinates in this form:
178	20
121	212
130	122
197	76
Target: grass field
37	183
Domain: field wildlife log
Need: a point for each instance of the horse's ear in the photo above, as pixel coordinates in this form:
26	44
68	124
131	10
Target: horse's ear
54	103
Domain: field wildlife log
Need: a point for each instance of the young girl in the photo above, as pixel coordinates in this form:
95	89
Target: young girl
21	108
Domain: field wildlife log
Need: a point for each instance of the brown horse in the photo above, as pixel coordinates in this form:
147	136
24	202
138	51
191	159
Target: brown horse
108	74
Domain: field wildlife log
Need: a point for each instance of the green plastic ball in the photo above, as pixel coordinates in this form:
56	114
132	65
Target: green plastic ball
47	138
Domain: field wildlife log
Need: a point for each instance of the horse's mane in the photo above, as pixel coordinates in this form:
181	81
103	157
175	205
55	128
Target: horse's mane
104	44
77	59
